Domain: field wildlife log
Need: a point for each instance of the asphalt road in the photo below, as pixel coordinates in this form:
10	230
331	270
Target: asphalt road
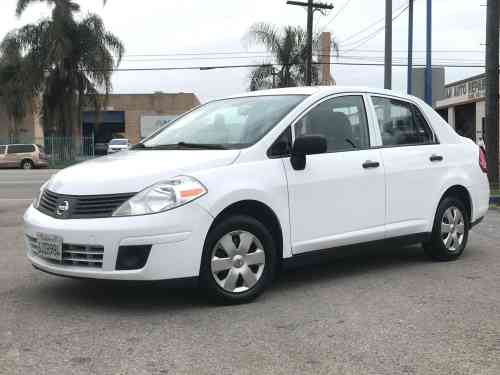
389	311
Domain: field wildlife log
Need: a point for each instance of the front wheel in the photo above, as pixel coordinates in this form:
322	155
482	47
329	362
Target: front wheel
239	260
450	231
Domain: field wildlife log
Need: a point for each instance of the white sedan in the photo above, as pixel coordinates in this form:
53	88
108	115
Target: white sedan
238	187
118	144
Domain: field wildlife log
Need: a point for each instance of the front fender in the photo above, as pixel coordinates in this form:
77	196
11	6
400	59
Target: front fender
263	181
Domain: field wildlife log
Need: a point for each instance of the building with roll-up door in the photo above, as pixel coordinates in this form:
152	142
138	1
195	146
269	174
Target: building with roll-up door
132	116
464	107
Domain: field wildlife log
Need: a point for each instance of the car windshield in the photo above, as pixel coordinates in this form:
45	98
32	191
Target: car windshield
118	142
229	123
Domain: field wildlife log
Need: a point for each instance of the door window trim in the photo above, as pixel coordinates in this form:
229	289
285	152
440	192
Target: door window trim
411	103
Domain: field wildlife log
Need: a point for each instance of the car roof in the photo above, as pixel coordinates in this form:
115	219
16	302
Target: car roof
321	90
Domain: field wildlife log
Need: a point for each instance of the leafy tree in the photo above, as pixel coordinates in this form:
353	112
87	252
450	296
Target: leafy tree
14	94
67	62
288	49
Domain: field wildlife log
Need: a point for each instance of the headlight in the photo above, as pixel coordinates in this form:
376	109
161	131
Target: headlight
36	200
162	196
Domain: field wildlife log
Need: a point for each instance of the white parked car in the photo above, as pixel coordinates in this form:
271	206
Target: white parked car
118	144
238	187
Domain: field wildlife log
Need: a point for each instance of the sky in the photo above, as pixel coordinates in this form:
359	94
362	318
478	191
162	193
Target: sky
184	32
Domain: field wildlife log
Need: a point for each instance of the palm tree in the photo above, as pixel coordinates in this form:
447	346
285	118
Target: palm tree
67	62
14	96
288	49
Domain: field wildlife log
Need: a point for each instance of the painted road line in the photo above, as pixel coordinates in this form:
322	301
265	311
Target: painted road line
16	199
33	182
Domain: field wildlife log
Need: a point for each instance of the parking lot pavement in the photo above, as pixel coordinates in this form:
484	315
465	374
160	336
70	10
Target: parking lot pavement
389	311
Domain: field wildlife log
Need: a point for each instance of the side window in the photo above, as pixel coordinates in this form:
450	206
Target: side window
2	150
19	149
401	123
342	121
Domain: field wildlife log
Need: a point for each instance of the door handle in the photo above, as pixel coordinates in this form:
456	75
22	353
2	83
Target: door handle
371	164
436	158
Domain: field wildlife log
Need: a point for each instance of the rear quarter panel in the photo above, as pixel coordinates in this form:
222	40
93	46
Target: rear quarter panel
463	169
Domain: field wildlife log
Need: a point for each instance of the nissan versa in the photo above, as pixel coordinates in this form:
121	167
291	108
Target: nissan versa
237	187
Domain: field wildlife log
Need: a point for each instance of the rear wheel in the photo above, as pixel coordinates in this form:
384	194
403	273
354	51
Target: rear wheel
450	231
27	164
239	259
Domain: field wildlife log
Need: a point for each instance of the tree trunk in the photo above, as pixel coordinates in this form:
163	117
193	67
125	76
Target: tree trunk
492	90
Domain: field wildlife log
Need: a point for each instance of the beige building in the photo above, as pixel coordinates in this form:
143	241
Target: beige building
133	116
463	106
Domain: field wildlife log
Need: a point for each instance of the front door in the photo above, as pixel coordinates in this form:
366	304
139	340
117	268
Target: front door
339	198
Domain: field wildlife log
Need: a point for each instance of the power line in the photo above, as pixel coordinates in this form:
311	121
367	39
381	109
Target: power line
335	15
362	31
264	54
213	67
341	56
369	37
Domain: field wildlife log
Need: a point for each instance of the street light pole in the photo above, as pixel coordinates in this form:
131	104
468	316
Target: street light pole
388	45
410	48
428	63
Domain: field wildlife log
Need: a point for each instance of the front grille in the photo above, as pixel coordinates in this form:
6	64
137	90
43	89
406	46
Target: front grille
74	255
62	206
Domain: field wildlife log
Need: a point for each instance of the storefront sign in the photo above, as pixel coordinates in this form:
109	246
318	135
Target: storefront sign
474	89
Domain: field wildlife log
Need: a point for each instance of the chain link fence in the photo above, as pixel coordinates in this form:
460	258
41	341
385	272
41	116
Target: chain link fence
62	151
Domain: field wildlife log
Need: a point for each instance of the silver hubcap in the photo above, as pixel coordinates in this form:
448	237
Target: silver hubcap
452	228
237	261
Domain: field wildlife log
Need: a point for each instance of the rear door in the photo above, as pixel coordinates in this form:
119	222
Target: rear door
17	153
339	198
414	163
11	156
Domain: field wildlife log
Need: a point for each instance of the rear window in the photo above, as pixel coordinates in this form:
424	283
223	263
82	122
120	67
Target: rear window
20	149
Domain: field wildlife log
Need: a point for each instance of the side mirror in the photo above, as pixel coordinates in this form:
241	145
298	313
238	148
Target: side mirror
306	145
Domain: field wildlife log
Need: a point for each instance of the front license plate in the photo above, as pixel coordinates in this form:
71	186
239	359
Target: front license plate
49	246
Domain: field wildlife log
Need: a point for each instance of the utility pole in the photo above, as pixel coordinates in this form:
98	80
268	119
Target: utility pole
428	63
410	48
311	7
388	45
492	90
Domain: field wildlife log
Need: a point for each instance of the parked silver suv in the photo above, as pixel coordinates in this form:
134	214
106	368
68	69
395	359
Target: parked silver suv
25	156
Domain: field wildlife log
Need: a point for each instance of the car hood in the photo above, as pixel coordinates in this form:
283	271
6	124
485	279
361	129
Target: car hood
132	171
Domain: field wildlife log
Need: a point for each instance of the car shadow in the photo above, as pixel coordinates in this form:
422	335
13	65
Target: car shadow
133	296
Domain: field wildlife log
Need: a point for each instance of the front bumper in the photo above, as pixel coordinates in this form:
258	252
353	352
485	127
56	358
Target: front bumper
176	236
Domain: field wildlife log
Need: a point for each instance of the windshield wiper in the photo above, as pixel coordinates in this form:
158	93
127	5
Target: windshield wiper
210	146
181	145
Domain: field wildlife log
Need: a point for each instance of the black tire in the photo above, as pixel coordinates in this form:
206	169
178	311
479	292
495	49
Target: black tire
238	224
27	164
436	247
